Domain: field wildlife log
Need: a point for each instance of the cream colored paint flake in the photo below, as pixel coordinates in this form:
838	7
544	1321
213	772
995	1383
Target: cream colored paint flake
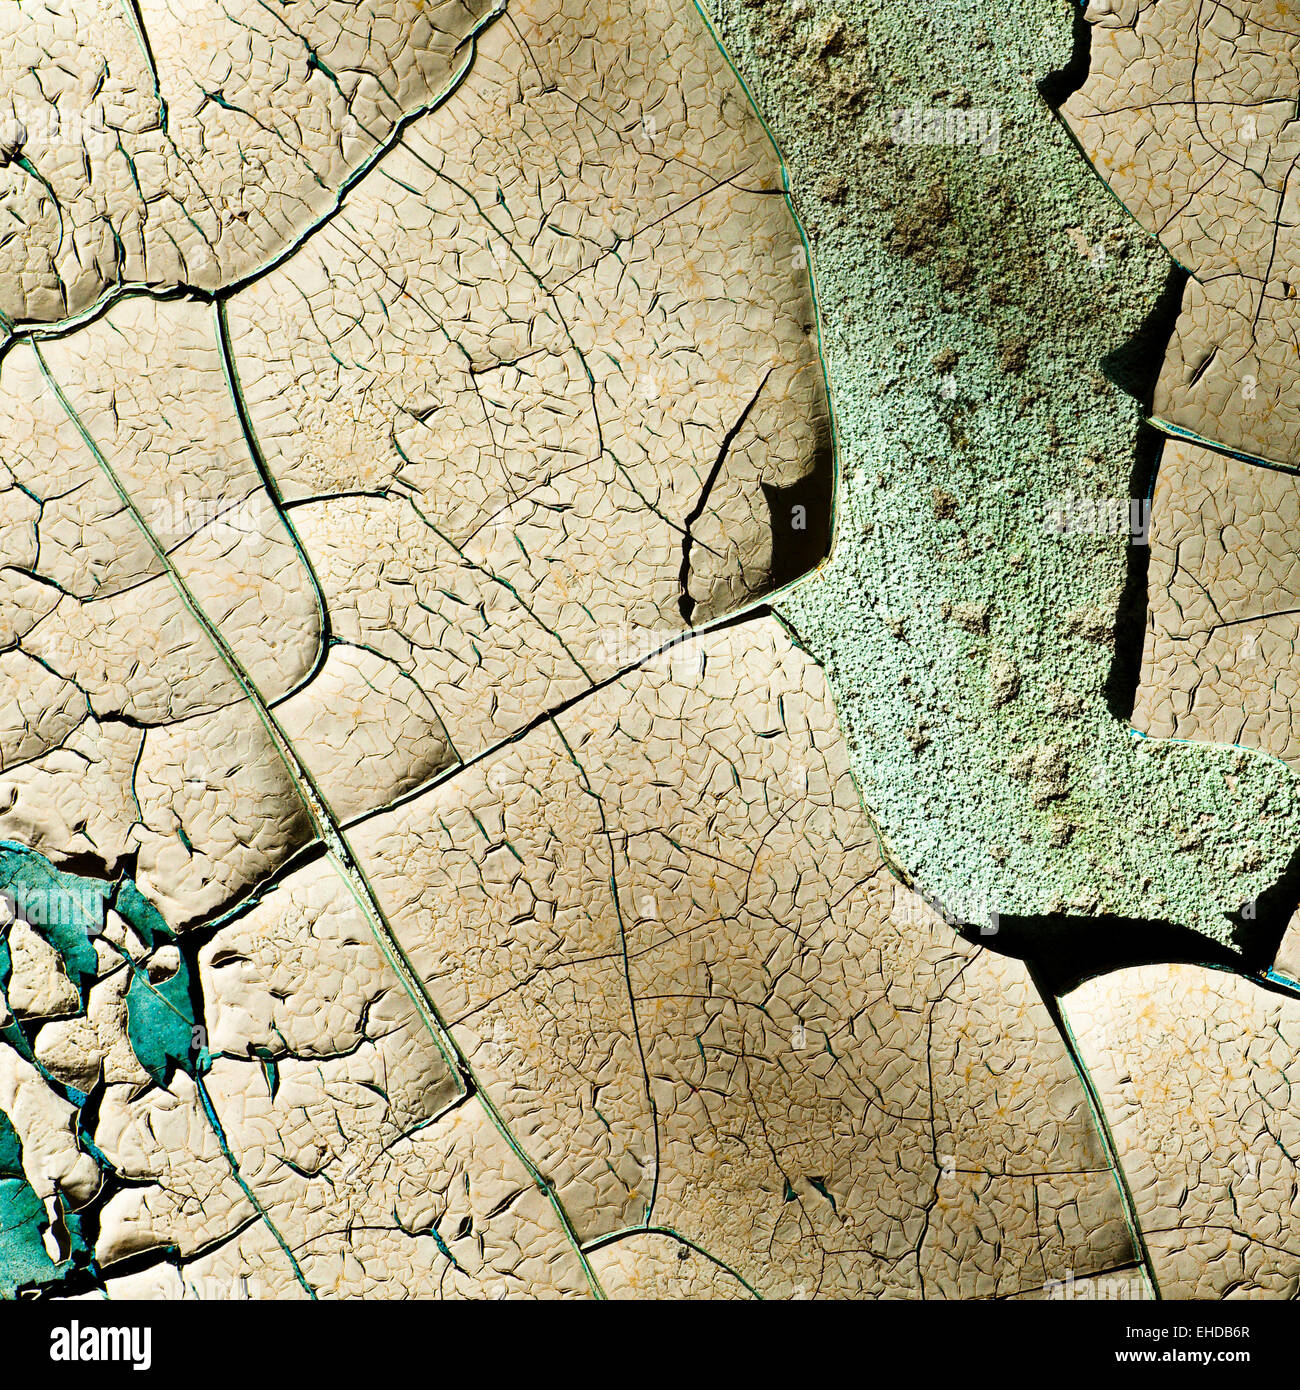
662	939
1196	1070
1188	114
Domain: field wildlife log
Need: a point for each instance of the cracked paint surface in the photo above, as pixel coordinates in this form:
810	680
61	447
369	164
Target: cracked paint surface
484	952
991	675
1188	114
447	853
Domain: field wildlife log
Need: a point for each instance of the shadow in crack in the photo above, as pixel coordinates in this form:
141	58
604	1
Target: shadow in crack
1129	632
1263	923
1134	368
1064	951
1059	86
801	517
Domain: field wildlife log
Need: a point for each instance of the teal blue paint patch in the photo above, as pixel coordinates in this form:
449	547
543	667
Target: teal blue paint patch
24	1260
160	1025
11	1150
69	911
6	963
17	1039
438	1241
135	908
160	1022
271	1074
65	909
80	1236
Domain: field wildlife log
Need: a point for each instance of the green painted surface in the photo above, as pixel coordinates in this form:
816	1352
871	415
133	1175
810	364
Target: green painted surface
966	314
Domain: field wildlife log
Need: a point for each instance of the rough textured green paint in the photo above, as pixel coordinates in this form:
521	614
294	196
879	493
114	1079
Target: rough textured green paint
936	261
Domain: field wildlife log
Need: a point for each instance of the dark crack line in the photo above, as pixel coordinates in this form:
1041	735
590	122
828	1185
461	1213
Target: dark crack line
685	603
